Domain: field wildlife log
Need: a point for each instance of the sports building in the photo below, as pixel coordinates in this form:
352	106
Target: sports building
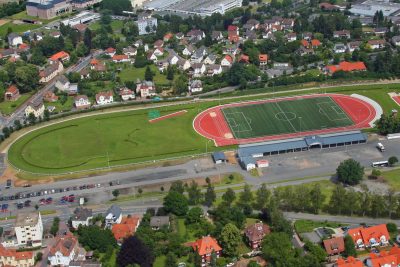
247	154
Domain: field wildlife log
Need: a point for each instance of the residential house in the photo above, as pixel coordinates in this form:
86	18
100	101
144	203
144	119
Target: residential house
104	98
263	59
80	27
36	108
50	72
158	222
50	96
12	93
173	59
204	247
195	86
244	59
179	36
373	236
252	24
188	50
183	64
213	69
255	234
126	94
126	228
380	31
349	262
82	216
85	73
396	40
55	34
110	51
14	258
334	246
158	44
60	56
227	61
287	24
345	34
231	49
346	66
120	58
14	39
307	36
196	35
113	216
291	37
64	250
210	59
217	36
199	54
146	89
351	46
35	36
197	69
129	51
168	36
62	83
339	48
315	43
81	102
383	259
377	44
29	228
151	56
250	35
303	51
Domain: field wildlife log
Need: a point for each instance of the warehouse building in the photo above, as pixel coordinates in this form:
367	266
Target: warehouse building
247	154
47	9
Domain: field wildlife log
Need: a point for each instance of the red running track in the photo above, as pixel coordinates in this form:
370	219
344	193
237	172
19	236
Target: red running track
212	125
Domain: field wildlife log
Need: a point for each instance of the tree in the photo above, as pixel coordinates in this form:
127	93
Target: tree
230	239
133	251
170	73
393	160
116	6
317	198
6	132
176	203
229	196
177	186
96	238
148	74
246	196
337	199
194	215
87	38
194	193
375	173
55	226
209	196
180	84
31	118
349	247
46	115
350	172
115	193
171	260
277	249
262	197
38	257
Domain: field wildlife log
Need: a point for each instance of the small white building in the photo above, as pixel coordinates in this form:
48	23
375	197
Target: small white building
81	216
195	86
104	98
113	216
126	94
29	229
64	250
146	89
81	102
14	39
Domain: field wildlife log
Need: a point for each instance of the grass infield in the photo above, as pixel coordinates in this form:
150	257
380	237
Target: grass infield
283	117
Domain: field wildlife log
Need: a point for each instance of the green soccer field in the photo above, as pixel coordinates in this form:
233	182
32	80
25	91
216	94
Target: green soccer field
285	117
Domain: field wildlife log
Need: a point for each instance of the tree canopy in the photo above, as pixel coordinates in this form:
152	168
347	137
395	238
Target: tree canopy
350	172
133	251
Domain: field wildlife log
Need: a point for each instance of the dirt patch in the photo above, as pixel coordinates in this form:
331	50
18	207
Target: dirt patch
3	21
231	157
12	174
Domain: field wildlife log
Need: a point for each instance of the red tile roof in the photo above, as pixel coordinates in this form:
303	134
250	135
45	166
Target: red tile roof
60	55
304	43
21	255
263	57
120	57
206	245
376	232
229	58
315	42
12	89
384	259
334	245
355	234
350	262
64	244
233	28
347	66
126	228
110	50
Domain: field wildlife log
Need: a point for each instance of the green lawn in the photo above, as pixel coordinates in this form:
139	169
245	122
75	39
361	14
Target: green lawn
67	106
393	179
8	107
288	116
18	28
132	73
23	15
107	140
304	226
116	25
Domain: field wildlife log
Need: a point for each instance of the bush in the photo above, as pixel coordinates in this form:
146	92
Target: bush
393	160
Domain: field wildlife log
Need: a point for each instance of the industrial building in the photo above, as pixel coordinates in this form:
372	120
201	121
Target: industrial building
249	153
47	9
81	18
193	7
370	7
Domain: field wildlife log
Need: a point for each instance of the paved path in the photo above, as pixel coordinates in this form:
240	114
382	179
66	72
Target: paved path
340	219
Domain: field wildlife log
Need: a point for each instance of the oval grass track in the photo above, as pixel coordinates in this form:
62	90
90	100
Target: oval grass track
109	139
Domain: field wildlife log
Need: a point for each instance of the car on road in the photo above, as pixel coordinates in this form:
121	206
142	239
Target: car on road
42	201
